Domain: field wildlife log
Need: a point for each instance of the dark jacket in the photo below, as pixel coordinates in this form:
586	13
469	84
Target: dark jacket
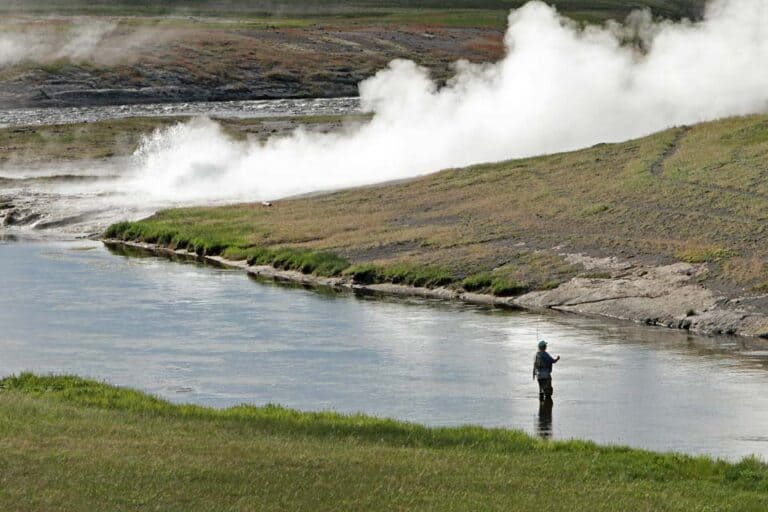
542	365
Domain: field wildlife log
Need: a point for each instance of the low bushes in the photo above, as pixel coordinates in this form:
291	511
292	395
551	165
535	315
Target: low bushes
307	261
429	277
486	282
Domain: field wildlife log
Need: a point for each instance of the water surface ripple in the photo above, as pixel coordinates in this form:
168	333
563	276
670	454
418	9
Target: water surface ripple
228	109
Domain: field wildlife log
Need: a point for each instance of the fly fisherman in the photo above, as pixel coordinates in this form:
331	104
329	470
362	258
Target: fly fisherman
542	371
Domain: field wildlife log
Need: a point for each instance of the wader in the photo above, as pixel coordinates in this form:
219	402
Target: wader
545	388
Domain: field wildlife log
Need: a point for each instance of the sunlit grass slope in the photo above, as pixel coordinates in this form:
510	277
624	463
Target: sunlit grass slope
72	444
697	194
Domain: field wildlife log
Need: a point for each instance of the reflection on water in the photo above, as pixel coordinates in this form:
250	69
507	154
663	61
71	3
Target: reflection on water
211	336
544	418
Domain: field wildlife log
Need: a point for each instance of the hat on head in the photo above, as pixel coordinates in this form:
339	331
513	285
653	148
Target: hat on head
542	344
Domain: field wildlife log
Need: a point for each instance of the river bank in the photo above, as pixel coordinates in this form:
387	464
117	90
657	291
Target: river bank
315	281
666	296
212	336
673	237
61	435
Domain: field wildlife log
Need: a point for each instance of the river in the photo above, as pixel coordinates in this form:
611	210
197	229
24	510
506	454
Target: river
82	197
201	334
228	109
211	336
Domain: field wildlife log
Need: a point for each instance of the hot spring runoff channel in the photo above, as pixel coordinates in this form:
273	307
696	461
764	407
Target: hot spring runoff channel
211	336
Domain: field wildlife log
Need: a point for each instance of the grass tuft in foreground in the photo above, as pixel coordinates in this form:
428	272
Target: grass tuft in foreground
75	444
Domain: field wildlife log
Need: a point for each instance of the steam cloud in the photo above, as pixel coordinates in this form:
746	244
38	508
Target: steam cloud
560	87
86	39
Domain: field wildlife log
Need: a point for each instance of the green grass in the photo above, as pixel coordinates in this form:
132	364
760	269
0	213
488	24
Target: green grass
430	277
103	139
306	261
703	254
303	260
487	282
74	444
121	137
706	202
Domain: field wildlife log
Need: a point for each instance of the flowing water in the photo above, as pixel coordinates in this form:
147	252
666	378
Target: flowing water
211	336
201	334
83	197
229	109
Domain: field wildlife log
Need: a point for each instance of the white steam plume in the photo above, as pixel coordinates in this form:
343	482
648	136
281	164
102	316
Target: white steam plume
560	87
76	39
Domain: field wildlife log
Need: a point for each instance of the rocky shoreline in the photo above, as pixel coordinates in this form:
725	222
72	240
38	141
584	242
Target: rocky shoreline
666	296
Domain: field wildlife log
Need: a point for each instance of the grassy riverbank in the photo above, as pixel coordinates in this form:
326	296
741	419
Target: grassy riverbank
73	444
693	194
176	51
40	145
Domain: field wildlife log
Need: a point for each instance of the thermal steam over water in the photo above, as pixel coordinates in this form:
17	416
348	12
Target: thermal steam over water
559	87
82	198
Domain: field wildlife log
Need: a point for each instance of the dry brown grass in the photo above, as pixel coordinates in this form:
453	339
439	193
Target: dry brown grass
236	59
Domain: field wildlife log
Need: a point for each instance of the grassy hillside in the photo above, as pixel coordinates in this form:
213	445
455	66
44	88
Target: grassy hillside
176	59
594	9
696	194
175	51
72	444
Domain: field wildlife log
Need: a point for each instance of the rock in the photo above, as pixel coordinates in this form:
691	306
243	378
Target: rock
654	296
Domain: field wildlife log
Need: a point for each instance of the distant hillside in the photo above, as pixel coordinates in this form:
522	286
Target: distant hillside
593	8
174	50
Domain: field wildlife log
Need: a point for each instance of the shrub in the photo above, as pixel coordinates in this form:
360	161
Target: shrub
477	282
429	277
306	261
703	254
507	288
595	209
364	274
117	230
499	286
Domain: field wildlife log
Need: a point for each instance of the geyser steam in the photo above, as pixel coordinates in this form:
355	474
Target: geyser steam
75	39
560	87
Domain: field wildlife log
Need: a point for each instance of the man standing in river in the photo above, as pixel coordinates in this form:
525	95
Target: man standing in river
542	371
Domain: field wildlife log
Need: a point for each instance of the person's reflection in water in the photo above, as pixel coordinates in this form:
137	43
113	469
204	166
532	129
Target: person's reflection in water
544	424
